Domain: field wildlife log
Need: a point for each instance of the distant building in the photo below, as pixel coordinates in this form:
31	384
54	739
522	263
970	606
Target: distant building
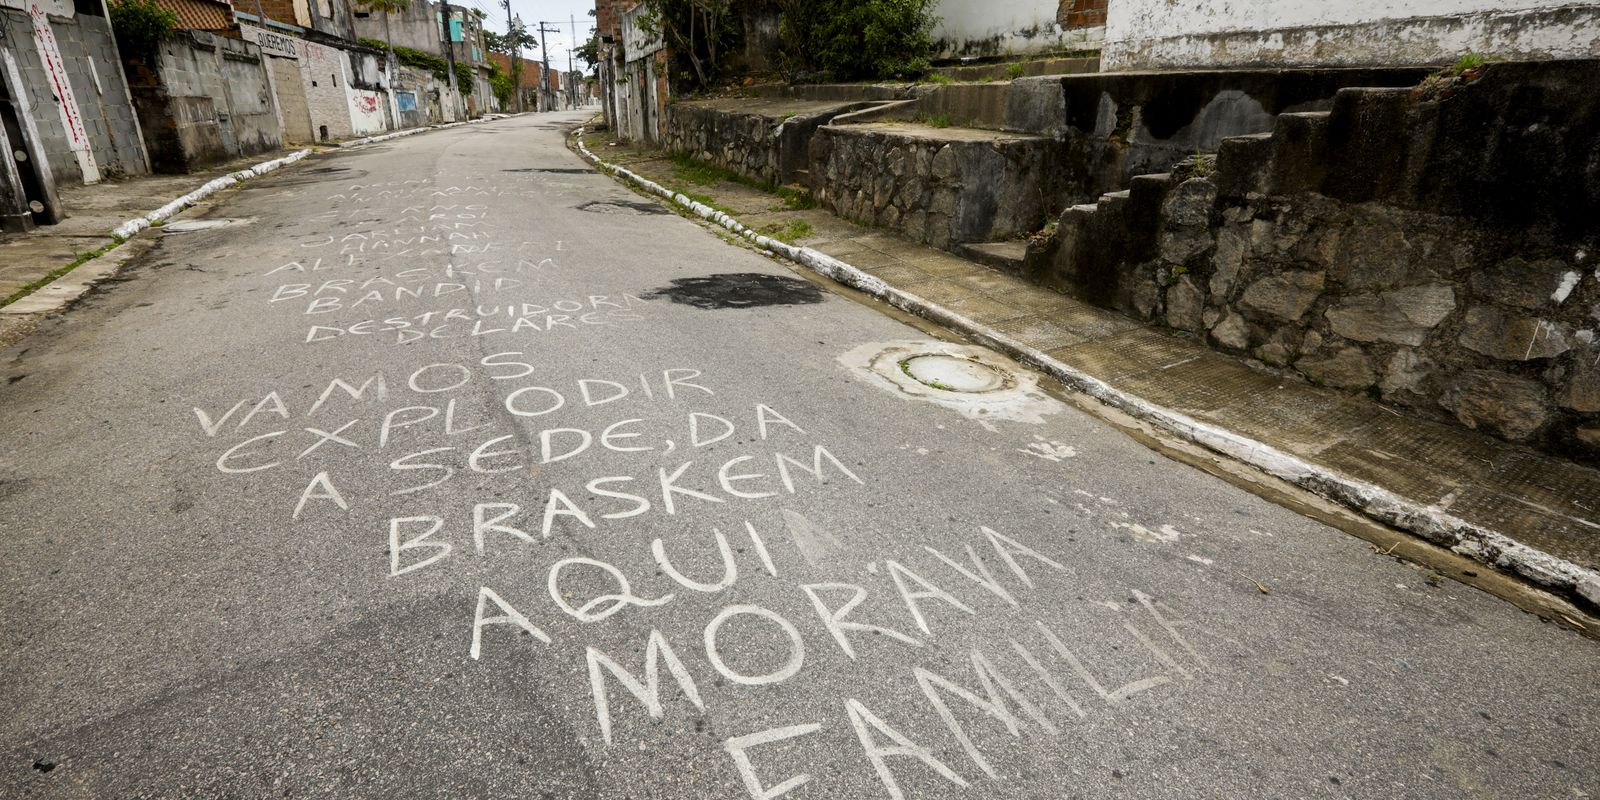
421	26
528	86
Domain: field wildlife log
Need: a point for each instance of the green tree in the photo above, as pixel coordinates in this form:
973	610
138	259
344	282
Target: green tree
698	31
850	40
140	26
512	42
589	52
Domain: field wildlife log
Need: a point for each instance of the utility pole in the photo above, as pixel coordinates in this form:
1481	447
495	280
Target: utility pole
572	88
516	54
450	55
544	53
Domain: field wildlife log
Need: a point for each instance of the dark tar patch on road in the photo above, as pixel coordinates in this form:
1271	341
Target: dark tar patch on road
738	290
621	207
554	170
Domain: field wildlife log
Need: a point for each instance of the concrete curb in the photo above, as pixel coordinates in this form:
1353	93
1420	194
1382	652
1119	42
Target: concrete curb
1479	543
133	227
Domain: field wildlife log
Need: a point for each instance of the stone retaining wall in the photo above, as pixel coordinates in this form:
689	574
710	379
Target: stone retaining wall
938	187
763	140
1436	251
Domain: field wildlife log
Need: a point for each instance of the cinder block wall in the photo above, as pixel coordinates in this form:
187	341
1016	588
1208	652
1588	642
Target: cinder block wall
103	104
207	101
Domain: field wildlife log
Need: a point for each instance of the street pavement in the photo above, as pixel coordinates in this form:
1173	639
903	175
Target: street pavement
449	467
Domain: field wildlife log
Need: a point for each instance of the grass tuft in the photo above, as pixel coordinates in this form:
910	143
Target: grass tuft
50	276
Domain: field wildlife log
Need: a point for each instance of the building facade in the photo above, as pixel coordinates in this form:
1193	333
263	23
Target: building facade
1168	34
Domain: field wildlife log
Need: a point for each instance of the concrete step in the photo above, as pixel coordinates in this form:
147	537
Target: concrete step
1009	256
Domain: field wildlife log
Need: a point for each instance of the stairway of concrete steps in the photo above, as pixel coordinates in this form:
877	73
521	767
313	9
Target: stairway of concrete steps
1123	226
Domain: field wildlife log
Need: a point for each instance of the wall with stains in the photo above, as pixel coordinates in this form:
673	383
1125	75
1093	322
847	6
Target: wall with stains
206	99
988	28
1156	34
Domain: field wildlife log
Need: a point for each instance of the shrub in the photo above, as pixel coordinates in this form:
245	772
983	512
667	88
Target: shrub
848	40
141	26
416	59
501	83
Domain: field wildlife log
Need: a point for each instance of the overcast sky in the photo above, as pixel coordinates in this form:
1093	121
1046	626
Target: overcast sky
551	11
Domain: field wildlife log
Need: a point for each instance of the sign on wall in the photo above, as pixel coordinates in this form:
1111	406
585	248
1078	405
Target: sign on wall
66	101
406	101
271	42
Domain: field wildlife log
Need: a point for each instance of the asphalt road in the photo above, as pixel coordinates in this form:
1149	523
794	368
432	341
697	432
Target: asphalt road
451	468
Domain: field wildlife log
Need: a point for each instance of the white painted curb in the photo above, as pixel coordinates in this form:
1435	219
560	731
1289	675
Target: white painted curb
1483	544
132	227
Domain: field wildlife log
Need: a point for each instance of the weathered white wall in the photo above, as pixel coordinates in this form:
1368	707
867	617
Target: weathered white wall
1147	34
1005	27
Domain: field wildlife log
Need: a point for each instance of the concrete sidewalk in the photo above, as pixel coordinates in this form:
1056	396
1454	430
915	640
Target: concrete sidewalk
1497	503
93	211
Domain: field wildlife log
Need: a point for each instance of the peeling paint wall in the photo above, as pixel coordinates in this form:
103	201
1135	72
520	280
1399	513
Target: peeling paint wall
1153	34
982	28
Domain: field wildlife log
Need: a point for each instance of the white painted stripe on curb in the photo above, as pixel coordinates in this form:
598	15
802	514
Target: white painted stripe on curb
132	227
1475	541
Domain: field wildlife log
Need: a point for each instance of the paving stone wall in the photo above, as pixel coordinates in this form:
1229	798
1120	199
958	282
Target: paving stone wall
765	140
971	186
1436	251
748	144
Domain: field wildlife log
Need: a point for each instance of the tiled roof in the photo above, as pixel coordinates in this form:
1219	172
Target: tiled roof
202	15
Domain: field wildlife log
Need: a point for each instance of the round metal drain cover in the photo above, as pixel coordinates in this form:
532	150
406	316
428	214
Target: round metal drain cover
953	373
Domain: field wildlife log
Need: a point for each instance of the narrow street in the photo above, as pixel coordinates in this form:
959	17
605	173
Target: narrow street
451	467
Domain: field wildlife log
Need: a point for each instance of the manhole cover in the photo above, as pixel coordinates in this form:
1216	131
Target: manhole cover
975	382
954	374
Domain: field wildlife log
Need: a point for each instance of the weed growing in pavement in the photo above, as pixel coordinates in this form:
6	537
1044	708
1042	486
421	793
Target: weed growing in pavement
50	276
699	173
789	232
905	366
1015	71
795	199
940	78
